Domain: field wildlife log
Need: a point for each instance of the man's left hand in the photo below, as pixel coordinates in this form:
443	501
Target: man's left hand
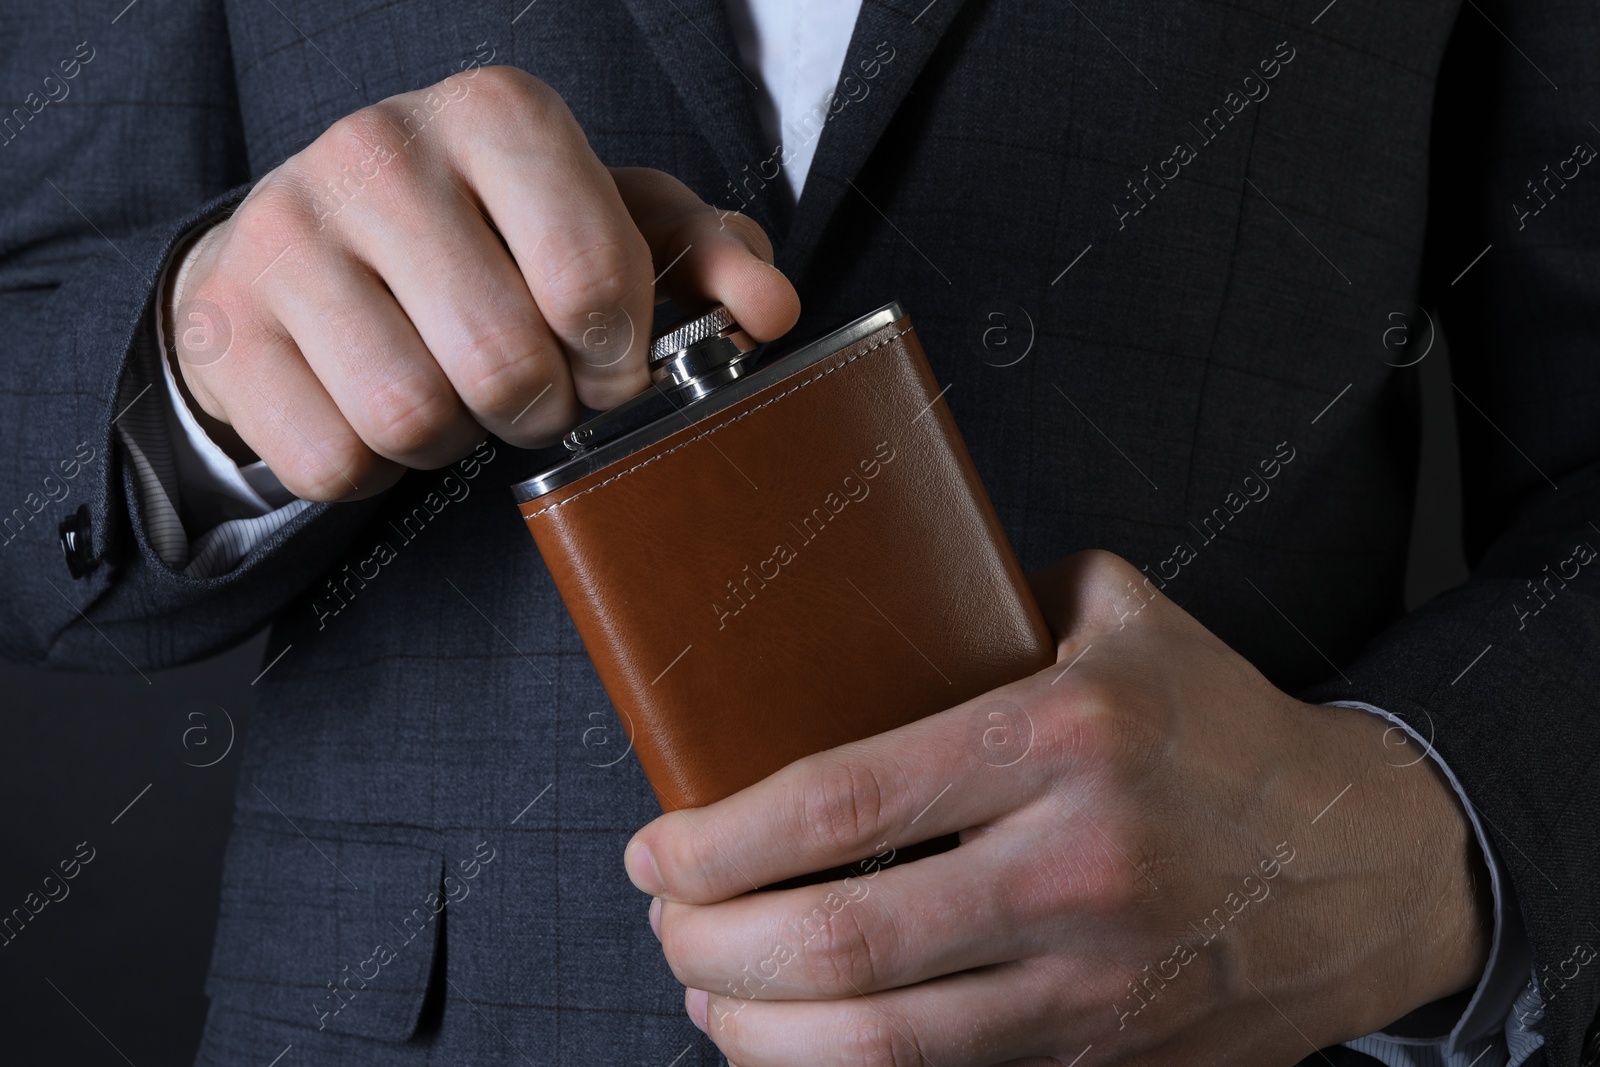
1164	860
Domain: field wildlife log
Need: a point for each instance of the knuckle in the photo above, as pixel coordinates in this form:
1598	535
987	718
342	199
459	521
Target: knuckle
726	1027
591	277
463	84
869	1039
507	85
842	958
1113	881
352	135
401	417
676	951
331	471
1104	873
1112	588
277	212
505	96
657	184
1103	564
1093	698
1111	725
1081	731
840	804
690	865
355	146
506	367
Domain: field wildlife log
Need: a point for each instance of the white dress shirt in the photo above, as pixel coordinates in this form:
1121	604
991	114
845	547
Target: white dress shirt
795	49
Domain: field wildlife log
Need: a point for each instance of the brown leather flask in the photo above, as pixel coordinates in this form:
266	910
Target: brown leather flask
768	555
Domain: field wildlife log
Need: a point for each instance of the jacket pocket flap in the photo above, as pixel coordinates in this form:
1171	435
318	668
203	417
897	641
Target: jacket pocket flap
327	932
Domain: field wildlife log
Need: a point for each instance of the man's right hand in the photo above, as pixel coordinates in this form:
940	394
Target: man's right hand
439	265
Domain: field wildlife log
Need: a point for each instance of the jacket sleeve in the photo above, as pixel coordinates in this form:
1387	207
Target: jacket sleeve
1503	672
125	135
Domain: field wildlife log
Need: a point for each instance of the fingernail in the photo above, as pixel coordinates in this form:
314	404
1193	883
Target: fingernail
642	869
696	1002
655	917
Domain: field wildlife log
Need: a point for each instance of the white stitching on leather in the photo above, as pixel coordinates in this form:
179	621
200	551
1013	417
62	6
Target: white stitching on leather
720	425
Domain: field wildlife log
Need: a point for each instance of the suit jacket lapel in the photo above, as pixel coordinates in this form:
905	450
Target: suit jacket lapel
912	28
694	44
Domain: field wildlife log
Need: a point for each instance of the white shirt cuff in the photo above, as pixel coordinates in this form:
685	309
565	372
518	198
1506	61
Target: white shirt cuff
227	513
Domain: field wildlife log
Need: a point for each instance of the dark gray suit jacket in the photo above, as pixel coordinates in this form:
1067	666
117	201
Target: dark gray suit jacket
1237	243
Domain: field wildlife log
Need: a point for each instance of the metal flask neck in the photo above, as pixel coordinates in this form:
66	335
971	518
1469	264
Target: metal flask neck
687	363
698	356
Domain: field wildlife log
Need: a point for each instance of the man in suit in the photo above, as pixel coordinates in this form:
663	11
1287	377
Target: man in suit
282	265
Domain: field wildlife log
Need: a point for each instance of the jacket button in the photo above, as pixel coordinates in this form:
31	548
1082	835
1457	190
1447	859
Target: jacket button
76	543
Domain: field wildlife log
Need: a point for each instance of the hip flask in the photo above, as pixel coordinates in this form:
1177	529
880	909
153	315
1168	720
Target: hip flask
774	551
